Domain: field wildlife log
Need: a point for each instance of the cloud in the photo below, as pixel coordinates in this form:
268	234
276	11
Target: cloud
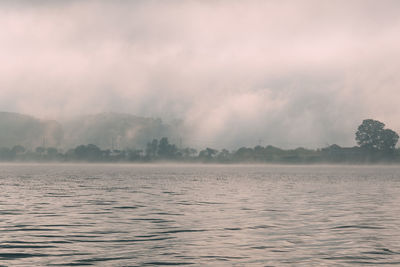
288	73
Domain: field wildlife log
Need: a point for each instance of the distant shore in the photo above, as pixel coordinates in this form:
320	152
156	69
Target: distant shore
332	155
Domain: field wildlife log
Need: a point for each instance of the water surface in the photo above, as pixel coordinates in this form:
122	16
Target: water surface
199	215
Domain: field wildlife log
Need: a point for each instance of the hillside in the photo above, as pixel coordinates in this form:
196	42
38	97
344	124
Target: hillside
106	130
18	129
116	130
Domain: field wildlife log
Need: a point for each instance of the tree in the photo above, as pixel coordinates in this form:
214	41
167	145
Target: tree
224	156
151	149
188	152
134	154
5	153
40	150
166	150
389	139
208	154
372	135
18	150
90	152
52	152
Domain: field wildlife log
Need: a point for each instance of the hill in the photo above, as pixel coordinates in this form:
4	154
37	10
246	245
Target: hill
106	130
113	130
18	129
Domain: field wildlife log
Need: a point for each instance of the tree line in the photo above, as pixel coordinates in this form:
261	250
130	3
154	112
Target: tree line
375	144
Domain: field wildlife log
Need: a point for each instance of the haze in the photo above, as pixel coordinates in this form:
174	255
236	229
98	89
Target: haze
286	73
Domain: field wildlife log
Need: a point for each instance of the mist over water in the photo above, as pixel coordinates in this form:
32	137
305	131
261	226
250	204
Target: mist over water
139	215
147	81
236	73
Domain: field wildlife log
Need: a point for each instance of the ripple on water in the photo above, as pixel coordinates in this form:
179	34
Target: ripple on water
154	215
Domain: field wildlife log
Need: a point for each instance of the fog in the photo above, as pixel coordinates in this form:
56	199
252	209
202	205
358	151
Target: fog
286	73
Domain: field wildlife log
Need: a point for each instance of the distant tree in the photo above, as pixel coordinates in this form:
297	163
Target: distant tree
40	150
5	154
389	139
134	154
372	135
224	155
259	153
90	152
244	154
17	150
151	149
166	150
93	152
188	152
52	152
207	154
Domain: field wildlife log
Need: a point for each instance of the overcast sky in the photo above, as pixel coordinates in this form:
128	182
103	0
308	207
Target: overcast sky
286	73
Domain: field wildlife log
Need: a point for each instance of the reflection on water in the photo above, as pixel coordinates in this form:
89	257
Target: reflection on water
119	215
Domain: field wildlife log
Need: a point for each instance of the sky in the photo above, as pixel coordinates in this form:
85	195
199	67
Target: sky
235	73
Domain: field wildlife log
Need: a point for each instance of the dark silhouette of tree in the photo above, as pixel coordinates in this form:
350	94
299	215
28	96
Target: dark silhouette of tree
188	153
372	135
208	154
244	154
224	156
166	150
389	139
90	152
151	149
134	154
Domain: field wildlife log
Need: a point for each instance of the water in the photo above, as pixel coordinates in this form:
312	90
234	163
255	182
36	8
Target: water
147	215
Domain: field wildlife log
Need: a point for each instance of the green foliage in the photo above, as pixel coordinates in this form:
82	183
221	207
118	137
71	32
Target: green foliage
372	135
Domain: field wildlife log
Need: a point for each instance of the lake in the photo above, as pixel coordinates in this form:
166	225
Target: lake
199	215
